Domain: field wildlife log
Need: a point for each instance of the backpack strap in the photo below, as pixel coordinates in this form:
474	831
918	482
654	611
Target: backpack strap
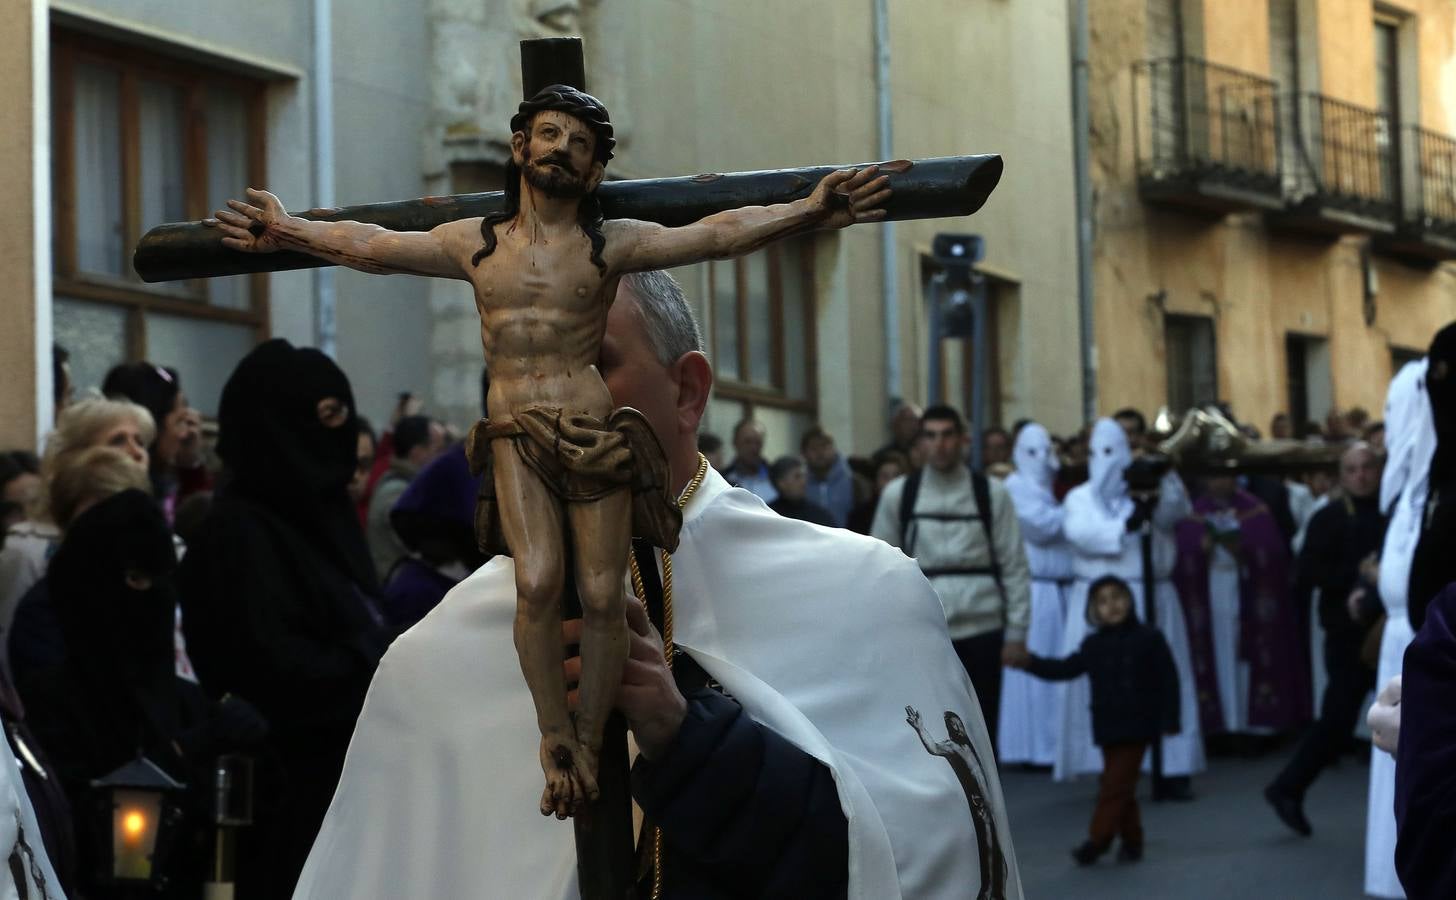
981	487
907	511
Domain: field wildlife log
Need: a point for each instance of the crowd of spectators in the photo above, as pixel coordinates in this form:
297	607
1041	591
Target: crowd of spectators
175	589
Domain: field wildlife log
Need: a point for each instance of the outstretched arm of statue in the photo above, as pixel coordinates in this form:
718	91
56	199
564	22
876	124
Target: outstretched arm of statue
262	225
841	198
935	748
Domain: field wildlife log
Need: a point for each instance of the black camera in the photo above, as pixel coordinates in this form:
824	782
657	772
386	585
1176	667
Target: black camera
1146	472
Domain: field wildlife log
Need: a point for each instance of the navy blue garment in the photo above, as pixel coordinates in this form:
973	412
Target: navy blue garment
414	588
1425	767
435	519
744	812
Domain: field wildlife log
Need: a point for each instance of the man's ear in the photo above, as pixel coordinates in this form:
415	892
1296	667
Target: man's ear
598	171
518	148
694	377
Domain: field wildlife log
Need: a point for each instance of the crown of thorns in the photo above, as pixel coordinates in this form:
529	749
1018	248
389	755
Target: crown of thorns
567	99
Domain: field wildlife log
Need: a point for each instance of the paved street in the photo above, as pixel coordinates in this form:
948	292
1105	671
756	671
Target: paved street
1226	844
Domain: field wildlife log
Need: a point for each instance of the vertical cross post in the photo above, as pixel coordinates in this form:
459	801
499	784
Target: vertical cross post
605	857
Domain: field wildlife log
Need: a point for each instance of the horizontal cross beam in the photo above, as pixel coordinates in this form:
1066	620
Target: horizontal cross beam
922	189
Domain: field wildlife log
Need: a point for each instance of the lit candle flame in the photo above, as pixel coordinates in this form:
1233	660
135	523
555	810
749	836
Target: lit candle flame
133	824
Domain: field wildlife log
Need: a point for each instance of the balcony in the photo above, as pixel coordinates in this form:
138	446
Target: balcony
1426	230
1344	171
1207	137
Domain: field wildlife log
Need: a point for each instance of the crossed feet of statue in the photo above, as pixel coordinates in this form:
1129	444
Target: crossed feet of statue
570	776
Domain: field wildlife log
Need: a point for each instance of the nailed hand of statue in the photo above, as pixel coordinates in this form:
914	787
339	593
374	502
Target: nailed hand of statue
245	226
848	196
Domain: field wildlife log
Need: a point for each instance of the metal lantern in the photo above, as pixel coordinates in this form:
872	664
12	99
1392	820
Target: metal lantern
137	810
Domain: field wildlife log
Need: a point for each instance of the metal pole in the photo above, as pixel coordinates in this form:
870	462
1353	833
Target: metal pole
1150	609
889	266
40	212
325	326
1081	128
937	307
982	367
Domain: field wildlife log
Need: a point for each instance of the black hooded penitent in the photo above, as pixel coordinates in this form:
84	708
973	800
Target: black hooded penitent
115	695
1434	564
279	591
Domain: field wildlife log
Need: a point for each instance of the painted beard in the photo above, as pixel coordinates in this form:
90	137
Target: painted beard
558	182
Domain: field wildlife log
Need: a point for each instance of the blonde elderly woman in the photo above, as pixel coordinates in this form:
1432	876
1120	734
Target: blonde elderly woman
28	545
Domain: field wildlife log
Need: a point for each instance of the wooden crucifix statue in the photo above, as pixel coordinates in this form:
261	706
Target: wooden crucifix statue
568	469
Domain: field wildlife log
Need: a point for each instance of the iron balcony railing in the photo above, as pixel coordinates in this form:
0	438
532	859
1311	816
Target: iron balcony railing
1200	119
1345	155
1430	198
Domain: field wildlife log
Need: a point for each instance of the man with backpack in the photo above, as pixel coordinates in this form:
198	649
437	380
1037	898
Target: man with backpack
962	529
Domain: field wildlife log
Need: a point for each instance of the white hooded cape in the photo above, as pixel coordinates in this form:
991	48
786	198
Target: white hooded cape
822	635
1030	707
20	838
1410	438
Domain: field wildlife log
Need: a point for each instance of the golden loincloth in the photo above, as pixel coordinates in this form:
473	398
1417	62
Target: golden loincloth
580	459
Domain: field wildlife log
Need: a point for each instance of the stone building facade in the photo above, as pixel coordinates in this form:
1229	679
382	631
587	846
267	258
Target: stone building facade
159	109
1275	199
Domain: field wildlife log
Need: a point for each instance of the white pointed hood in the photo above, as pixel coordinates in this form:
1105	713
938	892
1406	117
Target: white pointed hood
1035	456
1410	434
1108	458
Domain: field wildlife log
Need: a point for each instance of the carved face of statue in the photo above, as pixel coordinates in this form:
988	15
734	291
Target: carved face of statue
558	155
956	728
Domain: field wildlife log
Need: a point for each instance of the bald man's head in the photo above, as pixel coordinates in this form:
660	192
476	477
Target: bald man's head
1360	469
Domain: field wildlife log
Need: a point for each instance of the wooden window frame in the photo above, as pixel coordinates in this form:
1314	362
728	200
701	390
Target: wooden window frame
1187	320
776	395
128	291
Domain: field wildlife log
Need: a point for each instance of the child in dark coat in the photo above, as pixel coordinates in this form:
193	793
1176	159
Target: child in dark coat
1134	702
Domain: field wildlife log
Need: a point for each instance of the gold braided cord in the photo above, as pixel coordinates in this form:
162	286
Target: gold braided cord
669	649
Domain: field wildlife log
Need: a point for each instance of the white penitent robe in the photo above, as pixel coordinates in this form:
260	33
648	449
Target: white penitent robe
1096	528
1030	707
1411	441
824	636
1231	672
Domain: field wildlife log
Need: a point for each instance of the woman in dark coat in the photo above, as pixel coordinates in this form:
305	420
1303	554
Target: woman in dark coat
280	601
116	696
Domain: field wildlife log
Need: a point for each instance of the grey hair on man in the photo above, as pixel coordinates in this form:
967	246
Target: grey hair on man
671	328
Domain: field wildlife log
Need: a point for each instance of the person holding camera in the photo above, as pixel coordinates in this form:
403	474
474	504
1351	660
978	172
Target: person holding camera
1105	518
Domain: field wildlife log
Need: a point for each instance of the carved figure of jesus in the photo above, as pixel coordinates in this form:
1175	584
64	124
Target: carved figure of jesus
545	272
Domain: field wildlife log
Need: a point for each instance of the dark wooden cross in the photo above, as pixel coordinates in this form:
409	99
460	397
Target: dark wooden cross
922	189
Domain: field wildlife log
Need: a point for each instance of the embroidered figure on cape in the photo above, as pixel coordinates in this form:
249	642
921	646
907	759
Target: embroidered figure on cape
966	763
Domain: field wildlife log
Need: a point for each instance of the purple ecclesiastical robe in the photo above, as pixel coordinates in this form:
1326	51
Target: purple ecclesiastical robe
1268	634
